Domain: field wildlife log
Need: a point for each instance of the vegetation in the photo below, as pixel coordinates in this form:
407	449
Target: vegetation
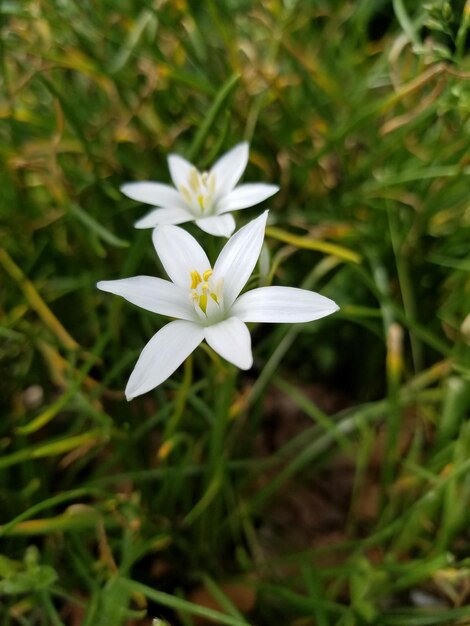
328	485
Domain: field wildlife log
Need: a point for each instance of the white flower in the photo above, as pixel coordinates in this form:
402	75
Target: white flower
206	198
206	302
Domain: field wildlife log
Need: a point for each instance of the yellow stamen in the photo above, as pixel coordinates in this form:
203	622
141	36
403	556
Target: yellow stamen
200	200
195	279
203	302
201	289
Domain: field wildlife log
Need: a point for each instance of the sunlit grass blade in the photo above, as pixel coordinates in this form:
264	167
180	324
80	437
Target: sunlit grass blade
183	606
36	302
307	243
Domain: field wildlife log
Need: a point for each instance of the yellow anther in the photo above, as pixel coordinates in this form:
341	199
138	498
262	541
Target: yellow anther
207	274
214	297
200	200
204	287
203	302
195	279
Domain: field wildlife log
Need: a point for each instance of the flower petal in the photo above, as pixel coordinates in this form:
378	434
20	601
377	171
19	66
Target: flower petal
231	339
153	294
167	349
180	254
164	216
229	168
282	304
218	225
179	170
153	193
238	258
244	196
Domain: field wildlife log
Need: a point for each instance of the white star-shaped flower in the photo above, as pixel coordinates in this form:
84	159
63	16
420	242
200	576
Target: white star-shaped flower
207	303
208	198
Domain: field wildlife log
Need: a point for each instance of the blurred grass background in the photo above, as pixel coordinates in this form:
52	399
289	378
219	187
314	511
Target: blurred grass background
327	486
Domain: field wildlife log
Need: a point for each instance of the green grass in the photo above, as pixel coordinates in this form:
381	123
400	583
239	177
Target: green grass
331	481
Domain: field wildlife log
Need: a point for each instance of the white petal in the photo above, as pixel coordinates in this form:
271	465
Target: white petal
229	168
179	170
282	304
153	294
231	339
164	216
238	258
162	355
180	254
153	193
244	196
218	225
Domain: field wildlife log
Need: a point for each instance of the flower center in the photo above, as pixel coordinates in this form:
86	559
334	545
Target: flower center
206	296
199	192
